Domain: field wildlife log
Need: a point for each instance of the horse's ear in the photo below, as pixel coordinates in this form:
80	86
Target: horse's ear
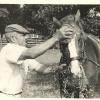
77	16
57	22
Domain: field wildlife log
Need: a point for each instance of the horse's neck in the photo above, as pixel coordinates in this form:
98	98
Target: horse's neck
95	43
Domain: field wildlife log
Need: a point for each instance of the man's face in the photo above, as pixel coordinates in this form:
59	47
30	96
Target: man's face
20	39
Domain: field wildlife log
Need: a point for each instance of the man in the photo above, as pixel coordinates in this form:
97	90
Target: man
14	57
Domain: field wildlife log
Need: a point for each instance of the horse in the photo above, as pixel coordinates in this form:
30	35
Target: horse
88	50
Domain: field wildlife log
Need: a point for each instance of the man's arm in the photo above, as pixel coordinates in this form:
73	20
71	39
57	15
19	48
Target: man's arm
36	51
32	64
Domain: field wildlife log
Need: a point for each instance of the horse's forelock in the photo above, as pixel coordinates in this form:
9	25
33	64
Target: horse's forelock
67	19
76	24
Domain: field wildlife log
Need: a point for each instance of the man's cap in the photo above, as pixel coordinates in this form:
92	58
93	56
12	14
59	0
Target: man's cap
16	28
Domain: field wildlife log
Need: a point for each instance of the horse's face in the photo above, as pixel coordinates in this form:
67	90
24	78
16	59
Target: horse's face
70	21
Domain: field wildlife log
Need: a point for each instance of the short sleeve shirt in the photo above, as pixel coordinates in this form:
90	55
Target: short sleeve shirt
11	73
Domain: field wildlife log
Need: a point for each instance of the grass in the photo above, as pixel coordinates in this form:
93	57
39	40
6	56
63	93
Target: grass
45	86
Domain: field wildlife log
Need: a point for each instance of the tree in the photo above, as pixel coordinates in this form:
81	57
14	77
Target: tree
40	17
91	22
3	20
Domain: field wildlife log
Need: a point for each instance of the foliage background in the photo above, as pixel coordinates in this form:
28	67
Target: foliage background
39	18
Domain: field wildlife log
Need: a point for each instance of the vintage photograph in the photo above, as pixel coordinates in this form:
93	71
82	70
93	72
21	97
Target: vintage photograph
49	51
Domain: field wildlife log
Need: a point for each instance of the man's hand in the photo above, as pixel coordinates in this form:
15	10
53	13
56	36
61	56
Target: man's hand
66	32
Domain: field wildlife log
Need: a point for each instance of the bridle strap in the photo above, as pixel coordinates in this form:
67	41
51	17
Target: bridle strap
88	59
75	58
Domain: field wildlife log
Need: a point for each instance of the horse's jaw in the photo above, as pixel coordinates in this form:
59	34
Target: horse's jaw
75	64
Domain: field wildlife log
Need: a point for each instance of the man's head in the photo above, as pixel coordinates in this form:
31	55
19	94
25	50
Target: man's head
16	34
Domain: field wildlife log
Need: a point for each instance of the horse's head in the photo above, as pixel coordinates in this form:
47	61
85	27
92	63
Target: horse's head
71	21
74	22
